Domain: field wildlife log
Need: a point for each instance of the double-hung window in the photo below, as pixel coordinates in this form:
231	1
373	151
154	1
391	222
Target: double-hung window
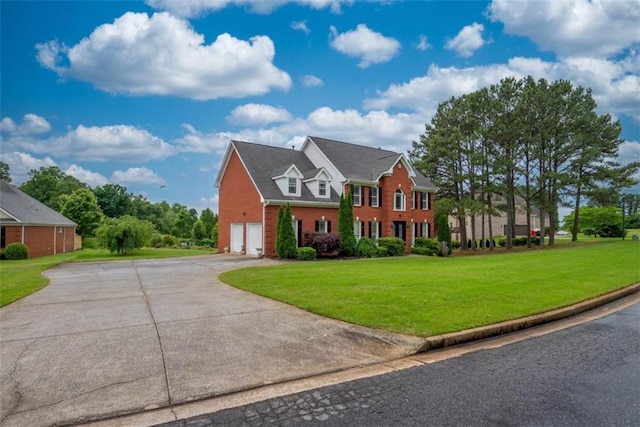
424	201
356	191
414	196
323	226
399	201
374	227
293	185
322	188
374	197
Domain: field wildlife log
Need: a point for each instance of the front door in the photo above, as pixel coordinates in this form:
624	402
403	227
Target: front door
400	230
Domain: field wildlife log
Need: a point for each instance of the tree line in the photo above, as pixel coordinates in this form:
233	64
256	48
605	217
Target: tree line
539	142
92	207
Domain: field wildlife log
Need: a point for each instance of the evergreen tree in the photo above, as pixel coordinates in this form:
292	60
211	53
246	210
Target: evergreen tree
444	232
279	227
345	225
286	246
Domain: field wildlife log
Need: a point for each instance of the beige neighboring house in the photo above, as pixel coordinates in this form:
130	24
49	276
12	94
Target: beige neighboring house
498	223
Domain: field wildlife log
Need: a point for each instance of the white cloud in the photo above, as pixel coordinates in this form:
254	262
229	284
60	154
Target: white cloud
629	152
94	179
198	142
301	26
311	81
423	44
615	89
141	175
468	40
32	124
370	46
191	8
258	114
140	55
209	202
572	27
21	163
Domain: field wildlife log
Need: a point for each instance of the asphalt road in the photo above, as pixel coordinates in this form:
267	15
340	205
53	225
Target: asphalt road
586	375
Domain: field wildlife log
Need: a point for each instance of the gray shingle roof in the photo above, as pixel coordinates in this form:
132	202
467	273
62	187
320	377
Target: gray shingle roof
27	210
264	162
362	163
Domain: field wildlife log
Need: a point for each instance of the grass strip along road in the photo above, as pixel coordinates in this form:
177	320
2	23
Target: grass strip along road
428	296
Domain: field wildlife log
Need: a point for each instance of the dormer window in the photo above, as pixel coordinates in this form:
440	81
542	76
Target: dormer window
322	187
293	185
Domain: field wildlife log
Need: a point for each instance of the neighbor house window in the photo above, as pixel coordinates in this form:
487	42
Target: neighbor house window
356	191
322	188
424	201
293	185
399	201
374	193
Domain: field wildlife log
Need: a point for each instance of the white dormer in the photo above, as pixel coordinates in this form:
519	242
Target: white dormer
290	182
318	182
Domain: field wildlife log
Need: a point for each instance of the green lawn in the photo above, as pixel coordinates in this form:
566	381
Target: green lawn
430	296
21	278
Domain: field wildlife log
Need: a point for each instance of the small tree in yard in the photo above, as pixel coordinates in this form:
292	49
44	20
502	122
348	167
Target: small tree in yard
199	232
345	225
125	234
285	236
444	235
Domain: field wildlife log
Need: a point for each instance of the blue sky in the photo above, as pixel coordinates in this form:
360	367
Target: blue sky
148	94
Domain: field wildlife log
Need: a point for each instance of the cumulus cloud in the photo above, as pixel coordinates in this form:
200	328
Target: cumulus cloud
258	114
193	8
311	81
423	44
141	175
370	46
32	124
615	89
468	40
301	26
572	27
140	55
21	163
94	179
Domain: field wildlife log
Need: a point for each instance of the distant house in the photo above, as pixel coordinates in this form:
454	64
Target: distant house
390	197
24	219
498	222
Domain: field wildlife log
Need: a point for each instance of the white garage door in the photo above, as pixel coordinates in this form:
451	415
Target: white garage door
237	238
254	238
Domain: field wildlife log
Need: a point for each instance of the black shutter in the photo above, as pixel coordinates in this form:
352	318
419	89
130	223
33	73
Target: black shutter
299	233
362	229
370	224
379	196
328	226
380	229
317	226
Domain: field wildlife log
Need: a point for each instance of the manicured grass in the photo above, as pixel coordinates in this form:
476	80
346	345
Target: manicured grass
427	296
21	278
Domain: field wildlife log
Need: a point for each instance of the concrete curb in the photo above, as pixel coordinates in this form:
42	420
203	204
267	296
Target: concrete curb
475	334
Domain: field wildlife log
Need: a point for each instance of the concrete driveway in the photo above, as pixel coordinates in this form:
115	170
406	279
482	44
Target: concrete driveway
106	339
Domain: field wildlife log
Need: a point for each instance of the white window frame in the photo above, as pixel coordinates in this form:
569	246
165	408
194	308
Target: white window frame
375	227
357	195
424	232
322	187
403	200
376	191
323	226
414	195
293	181
357	230
424	201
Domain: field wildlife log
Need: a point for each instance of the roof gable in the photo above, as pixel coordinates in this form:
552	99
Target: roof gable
24	209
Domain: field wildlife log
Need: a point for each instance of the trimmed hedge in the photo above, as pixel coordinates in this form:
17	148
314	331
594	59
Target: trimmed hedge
366	248
324	243
394	245
15	251
425	246
306	253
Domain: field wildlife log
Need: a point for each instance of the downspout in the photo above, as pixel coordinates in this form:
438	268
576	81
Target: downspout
55	239
22	235
264	228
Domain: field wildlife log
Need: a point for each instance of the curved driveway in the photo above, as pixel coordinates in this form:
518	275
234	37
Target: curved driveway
105	339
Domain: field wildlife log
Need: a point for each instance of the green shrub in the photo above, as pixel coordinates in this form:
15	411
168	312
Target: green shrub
366	248
168	240
208	243
16	251
2	254
156	240
394	245
382	252
502	242
306	253
456	244
420	250
432	247
90	243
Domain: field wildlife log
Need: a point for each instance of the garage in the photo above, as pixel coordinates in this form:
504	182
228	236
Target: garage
254	238
237	238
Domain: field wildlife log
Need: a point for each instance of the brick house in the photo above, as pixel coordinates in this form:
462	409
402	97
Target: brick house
391	198
24	219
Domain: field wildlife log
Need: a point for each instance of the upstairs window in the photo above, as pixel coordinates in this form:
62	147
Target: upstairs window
293	185
322	188
399	201
414	196
356	191
374	196
424	201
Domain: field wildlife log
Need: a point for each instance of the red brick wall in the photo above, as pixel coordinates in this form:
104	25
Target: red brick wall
239	201
42	240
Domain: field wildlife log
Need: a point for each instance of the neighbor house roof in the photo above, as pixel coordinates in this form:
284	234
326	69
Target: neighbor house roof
22	209
263	162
